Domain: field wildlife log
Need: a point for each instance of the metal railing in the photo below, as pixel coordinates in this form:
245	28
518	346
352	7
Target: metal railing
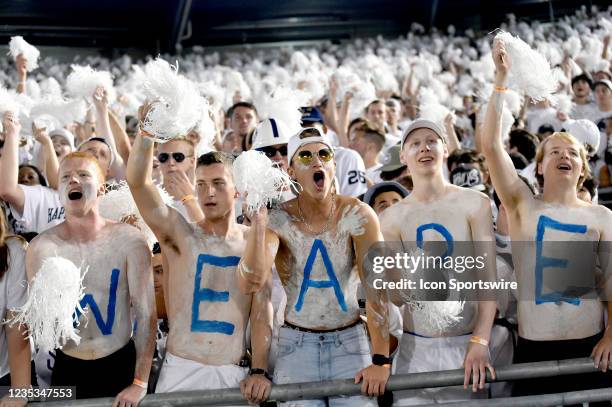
313	390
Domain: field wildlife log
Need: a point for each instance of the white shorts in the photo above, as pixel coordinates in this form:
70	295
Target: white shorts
418	354
178	374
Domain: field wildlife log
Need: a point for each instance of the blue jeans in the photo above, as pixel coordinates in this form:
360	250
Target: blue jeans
310	357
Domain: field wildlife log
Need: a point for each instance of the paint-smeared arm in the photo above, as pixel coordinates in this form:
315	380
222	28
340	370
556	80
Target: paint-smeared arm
255	266
150	203
256	387
477	356
374	377
9	163
393	238
603	350
142	298
506	181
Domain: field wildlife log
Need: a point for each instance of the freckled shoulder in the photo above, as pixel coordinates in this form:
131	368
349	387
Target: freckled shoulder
476	200
127	233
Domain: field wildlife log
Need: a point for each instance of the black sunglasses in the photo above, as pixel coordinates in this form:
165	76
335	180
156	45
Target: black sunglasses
178	157
271	151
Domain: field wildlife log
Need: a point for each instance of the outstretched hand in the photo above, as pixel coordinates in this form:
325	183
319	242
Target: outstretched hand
501	61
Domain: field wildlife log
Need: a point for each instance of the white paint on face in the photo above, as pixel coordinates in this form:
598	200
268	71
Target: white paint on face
352	222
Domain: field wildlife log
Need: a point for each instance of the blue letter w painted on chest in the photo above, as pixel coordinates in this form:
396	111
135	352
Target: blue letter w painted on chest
105	327
206	294
318	246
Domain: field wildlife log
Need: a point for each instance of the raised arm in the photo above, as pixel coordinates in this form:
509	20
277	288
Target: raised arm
343	120
506	181
142	298
22	73
256	387
103	129
150	204
120	137
374	377
255	267
332	108
9	163
51	167
477	358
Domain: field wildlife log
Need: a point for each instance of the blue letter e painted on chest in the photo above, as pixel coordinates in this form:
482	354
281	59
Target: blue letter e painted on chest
206	294
105	327
542	262
318	246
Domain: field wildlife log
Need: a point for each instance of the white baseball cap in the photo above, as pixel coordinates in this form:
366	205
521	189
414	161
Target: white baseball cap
306	136
270	132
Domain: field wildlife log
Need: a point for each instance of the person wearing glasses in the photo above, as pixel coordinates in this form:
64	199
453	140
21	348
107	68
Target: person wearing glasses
177	163
315	241
437	211
207	314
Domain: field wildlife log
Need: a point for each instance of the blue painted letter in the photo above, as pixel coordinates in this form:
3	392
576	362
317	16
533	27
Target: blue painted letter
441	230
318	246
546	262
206	294
105	327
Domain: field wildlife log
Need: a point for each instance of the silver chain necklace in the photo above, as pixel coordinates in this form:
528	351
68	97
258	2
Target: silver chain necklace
329	218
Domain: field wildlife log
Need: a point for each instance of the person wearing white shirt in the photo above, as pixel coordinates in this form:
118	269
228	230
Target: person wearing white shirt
368	142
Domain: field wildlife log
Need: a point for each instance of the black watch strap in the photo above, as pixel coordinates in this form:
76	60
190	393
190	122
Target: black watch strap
380	360
260	371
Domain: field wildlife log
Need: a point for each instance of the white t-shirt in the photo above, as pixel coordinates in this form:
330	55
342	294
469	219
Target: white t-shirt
42	210
13	293
350	172
587	111
373	173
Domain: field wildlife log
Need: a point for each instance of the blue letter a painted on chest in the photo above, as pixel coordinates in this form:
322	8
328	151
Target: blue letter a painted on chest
106	327
317	247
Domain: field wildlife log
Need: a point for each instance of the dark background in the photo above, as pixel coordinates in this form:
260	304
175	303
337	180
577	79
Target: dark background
155	26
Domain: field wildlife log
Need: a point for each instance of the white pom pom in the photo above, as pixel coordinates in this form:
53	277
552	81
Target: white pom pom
19	46
562	102
177	105
18	104
118	204
572	46
53	297
529	71
284	104
64	112
256	176
606	24
434	112
32	89
50	87
83	81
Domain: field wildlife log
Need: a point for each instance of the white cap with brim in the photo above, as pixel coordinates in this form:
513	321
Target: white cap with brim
65	134
270	132
303	138
584	131
424	124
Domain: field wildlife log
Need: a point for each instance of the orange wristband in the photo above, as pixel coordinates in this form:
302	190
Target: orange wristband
479	340
187	197
140	383
500	88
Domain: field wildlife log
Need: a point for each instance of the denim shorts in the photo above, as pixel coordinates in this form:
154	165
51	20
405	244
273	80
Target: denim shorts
310	357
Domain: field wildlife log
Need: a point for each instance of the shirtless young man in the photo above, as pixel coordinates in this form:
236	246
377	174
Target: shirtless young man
206	312
118	284
316	240
552	326
439	211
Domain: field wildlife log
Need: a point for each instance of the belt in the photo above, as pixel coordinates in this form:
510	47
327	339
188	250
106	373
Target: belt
321	331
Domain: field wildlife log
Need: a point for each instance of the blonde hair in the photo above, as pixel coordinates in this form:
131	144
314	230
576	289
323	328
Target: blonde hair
87	157
567	137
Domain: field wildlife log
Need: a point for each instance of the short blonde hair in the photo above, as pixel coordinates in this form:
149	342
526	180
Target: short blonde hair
87	157
569	139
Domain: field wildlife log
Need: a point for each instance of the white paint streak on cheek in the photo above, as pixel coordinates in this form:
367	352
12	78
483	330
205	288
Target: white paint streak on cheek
63	193
301	166
89	191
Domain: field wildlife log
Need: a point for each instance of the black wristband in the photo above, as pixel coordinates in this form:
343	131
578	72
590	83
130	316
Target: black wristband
380	360
260	371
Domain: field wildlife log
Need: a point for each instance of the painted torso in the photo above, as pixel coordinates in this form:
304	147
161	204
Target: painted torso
540	316
317	271
207	313
107	324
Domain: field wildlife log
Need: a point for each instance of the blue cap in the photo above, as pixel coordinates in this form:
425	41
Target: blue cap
311	114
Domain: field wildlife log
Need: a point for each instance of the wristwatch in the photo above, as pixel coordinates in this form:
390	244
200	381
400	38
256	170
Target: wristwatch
380	360
260	371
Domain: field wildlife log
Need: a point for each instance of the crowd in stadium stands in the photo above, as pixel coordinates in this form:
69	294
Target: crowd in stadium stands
410	141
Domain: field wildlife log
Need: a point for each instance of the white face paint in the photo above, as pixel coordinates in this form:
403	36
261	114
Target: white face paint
79	179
